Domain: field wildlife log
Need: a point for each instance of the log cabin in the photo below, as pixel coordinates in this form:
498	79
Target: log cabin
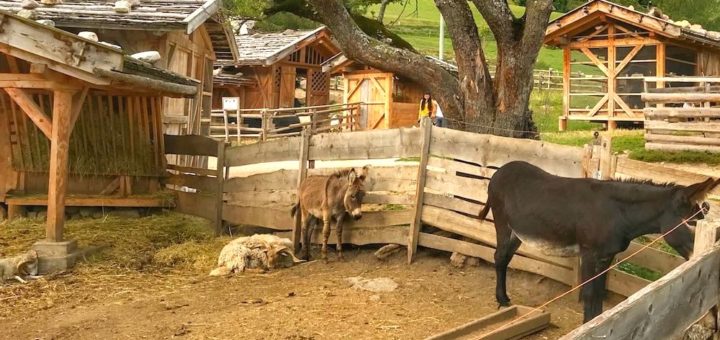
80	125
270	67
609	49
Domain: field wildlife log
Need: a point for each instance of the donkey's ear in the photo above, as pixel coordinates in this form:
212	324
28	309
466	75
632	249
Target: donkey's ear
364	172
352	176
697	192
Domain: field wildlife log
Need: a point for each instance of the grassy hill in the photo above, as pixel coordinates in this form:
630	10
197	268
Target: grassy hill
421	29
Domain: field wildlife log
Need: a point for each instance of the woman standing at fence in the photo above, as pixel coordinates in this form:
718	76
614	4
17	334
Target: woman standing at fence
427	107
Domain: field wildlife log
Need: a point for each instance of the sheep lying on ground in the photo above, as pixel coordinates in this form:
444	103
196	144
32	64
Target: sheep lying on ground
259	252
25	264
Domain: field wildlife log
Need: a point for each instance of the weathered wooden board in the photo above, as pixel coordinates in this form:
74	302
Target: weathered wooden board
682	126
201	183
483	231
362	236
451	167
662	309
275	150
658	173
200	205
97	201
519	261
276	180
496	151
192	145
514	322
681	147
372	144
262	198
651	258
623	283
388	198
698	142
475	189
454	204
268	217
393	179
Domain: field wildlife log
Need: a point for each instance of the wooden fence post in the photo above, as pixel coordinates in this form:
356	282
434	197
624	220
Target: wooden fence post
302	173
238	125
263	123
606	157
706	233
220	173
414	233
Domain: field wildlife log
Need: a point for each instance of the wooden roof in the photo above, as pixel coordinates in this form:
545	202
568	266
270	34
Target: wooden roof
268	48
232	80
91	62
164	15
340	63
595	11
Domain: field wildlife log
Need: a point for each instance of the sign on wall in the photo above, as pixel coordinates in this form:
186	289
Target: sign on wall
231	103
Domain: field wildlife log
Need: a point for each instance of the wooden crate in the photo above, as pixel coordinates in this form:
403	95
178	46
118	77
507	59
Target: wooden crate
500	325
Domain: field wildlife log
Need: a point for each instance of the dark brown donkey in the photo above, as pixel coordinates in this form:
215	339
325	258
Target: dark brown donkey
326	198
590	218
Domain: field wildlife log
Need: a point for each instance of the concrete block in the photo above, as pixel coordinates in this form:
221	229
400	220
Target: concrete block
55	256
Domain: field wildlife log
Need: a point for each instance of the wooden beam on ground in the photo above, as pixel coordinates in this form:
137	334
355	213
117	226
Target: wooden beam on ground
59	154
414	234
31	109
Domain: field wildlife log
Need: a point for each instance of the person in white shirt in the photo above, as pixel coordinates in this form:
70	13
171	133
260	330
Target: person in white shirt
439	118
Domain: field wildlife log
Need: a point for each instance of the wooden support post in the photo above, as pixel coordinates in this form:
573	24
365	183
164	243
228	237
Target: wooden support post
31	109
414	233
227	128
660	67
59	147
220	174
566	88
302	173
239	124
705	236
606	158
612	83
264	124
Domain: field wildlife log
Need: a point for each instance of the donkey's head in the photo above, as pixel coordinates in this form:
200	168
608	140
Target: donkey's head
688	206
355	192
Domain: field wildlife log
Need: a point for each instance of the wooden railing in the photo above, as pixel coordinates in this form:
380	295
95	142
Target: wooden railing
682	113
285	122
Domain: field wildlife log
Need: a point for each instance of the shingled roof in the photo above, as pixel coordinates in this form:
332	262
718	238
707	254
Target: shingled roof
663	25
267	48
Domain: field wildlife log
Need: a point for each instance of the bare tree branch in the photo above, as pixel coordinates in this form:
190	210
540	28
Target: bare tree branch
537	15
499	18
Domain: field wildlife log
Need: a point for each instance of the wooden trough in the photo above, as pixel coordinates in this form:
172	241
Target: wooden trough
500	325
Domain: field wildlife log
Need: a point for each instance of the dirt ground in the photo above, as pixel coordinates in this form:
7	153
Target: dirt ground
309	301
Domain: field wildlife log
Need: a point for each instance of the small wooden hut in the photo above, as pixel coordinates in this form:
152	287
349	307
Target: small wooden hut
189	35
81	125
392	101
609	49
271	66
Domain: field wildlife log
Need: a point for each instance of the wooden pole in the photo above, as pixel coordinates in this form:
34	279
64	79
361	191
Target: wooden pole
59	147
566	90
220	174
414	234
302	173
606	158
611	124
705	236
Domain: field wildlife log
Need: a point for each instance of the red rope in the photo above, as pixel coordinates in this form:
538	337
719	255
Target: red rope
536	309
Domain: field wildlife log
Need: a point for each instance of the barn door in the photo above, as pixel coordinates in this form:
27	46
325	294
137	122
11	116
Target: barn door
287	86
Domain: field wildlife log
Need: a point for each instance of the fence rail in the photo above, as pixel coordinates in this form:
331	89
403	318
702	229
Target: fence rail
682	113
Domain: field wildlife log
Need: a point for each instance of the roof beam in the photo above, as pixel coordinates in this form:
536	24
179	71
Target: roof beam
200	15
31	109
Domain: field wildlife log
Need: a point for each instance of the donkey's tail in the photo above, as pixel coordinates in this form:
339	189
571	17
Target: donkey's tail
483	213
294	209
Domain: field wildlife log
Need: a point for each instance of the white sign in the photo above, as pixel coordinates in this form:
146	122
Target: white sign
231	103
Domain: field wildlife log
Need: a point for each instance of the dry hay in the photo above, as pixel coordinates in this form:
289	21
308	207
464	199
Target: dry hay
132	254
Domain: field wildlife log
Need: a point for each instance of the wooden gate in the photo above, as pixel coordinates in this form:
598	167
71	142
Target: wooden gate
371	88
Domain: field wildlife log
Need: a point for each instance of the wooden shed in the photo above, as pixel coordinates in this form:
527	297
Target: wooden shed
189	34
609	49
270	68
391	101
80	124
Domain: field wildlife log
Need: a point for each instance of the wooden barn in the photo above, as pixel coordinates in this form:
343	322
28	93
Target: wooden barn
608	51
189	35
81	125
392	101
271	67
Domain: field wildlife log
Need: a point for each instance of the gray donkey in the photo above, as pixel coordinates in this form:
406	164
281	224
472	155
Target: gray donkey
329	197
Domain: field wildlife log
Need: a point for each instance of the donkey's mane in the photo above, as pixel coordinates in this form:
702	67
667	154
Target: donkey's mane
645	182
341	173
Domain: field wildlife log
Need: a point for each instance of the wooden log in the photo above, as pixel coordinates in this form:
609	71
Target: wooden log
134	81
284	149
426	127
662	309
652	113
374	144
666	98
681	147
682	140
59	154
683	126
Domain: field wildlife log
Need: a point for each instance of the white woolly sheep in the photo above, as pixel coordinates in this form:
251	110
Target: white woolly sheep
260	252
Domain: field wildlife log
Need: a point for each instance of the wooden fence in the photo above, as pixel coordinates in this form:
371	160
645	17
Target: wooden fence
682	113
284	122
432	204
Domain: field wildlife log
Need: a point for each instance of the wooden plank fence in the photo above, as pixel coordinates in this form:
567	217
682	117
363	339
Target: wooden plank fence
682	113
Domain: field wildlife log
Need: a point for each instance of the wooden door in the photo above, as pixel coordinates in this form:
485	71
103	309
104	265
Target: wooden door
318	88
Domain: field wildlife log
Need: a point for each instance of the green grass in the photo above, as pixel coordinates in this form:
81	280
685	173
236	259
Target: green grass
639	271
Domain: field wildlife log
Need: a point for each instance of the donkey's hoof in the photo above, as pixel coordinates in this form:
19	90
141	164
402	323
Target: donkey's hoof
503	305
